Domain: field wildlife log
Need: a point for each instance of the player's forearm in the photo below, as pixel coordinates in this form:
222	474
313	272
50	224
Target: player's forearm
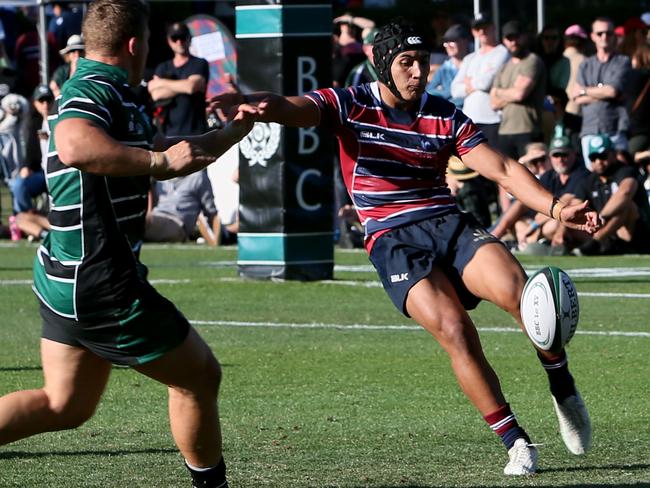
520	182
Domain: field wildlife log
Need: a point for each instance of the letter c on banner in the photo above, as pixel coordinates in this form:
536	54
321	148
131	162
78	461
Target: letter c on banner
299	190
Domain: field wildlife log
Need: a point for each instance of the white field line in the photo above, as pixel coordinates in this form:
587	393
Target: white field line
364	284
400	328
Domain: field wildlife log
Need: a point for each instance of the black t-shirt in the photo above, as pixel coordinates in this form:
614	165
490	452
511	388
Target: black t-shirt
551	180
184	114
598	192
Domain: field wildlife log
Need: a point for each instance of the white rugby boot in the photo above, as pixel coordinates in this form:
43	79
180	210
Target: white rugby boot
523	459
575	426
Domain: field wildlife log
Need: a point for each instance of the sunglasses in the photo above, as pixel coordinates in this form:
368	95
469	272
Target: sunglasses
602	156
449	43
560	154
607	33
536	161
178	38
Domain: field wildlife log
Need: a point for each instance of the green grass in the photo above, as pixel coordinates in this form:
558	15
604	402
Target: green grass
337	407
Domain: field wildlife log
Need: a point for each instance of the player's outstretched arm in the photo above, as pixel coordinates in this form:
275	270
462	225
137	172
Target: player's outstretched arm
290	111
106	156
520	182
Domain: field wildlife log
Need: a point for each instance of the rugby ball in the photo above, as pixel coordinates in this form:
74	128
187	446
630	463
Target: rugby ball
549	309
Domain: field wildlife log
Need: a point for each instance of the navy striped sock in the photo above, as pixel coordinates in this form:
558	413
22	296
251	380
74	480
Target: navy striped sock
504	423
559	378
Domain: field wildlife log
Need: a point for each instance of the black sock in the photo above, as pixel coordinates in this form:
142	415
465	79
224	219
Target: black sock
210	478
559	378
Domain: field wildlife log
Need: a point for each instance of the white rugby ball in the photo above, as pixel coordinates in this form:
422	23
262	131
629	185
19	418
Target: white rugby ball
549	309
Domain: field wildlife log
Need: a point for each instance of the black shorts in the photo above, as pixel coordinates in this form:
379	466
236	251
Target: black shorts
405	255
146	330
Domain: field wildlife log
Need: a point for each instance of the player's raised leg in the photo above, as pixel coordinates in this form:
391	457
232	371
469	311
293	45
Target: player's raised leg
192	375
495	275
74	380
434	304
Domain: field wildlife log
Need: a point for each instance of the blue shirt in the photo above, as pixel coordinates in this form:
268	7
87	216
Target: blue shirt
440	84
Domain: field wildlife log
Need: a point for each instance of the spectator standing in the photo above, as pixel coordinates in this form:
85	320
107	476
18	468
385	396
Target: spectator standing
638	100
64	23
179	86
574	43
71	53
365	71
475	76
518	92
600	90
456	43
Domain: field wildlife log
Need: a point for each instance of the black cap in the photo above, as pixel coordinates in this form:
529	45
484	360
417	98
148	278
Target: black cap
455	33
42	92
512	28
482	18
178	29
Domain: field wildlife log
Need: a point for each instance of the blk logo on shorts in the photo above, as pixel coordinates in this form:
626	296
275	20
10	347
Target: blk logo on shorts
397	278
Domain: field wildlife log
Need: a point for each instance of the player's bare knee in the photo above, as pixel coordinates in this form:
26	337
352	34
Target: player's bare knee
71	414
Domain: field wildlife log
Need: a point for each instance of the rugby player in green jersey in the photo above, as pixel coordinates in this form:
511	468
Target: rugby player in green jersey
97	307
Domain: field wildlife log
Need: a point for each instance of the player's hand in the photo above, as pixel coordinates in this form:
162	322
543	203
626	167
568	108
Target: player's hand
241	122
225	102
580	217
181	159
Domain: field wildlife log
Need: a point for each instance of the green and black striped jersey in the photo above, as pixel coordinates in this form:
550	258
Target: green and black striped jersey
87	267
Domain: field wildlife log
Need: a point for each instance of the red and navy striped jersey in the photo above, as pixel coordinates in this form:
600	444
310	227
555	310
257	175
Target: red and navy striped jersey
394	170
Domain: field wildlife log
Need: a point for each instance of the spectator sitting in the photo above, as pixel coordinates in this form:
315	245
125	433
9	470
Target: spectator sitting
474	194
518	220
616	192
73	50
364	72
456	43
178	203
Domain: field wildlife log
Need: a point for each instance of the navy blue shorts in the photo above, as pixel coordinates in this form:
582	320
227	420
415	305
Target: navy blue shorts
405	255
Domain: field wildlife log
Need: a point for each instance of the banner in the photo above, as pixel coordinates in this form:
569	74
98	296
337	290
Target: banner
286	174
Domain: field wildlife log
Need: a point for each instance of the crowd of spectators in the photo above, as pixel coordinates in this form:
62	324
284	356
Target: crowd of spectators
570	102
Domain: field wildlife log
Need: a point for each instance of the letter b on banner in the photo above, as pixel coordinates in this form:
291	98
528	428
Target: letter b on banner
285	174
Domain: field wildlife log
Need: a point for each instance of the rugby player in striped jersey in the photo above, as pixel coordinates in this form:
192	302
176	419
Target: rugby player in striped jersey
97	307
434	261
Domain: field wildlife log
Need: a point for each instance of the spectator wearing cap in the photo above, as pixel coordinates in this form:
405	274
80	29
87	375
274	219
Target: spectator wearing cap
365	71
456	43
575	38
518	92
71	53
348	48
179	86
616	192
600	90
475	76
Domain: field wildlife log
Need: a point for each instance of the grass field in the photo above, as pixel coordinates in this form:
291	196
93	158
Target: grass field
320	391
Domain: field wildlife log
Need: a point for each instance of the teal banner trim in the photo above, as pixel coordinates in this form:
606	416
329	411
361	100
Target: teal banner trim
277	249
284	20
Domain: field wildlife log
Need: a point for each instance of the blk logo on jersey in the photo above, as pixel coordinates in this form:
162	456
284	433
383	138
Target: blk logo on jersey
377	136
398	278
